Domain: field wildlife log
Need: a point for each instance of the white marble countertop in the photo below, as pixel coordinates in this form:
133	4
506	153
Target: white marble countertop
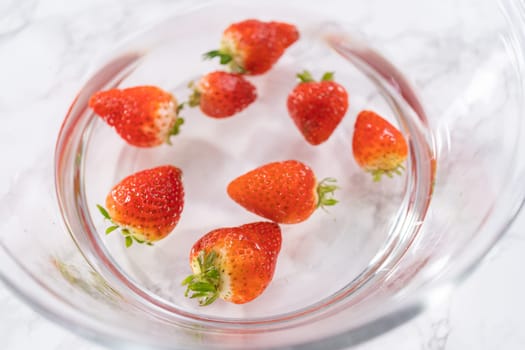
486	312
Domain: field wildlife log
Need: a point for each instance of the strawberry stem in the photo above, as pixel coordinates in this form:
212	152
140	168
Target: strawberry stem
129	236
204	285
325	190
378	173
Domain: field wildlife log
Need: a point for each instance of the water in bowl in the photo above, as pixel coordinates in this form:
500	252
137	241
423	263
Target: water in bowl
337	251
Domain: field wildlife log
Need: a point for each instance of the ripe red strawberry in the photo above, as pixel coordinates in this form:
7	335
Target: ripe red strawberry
221	94
253	47
147	205
144	116
317	108
378	146
235	264
284	192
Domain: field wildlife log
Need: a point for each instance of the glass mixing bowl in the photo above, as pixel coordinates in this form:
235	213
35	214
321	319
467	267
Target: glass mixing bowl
451	82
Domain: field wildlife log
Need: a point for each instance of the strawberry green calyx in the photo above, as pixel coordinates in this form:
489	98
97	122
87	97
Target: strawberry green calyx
378	173
225	57
175	130
328	76
325	190
180	107
128	235
204	285
306	77
195	98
